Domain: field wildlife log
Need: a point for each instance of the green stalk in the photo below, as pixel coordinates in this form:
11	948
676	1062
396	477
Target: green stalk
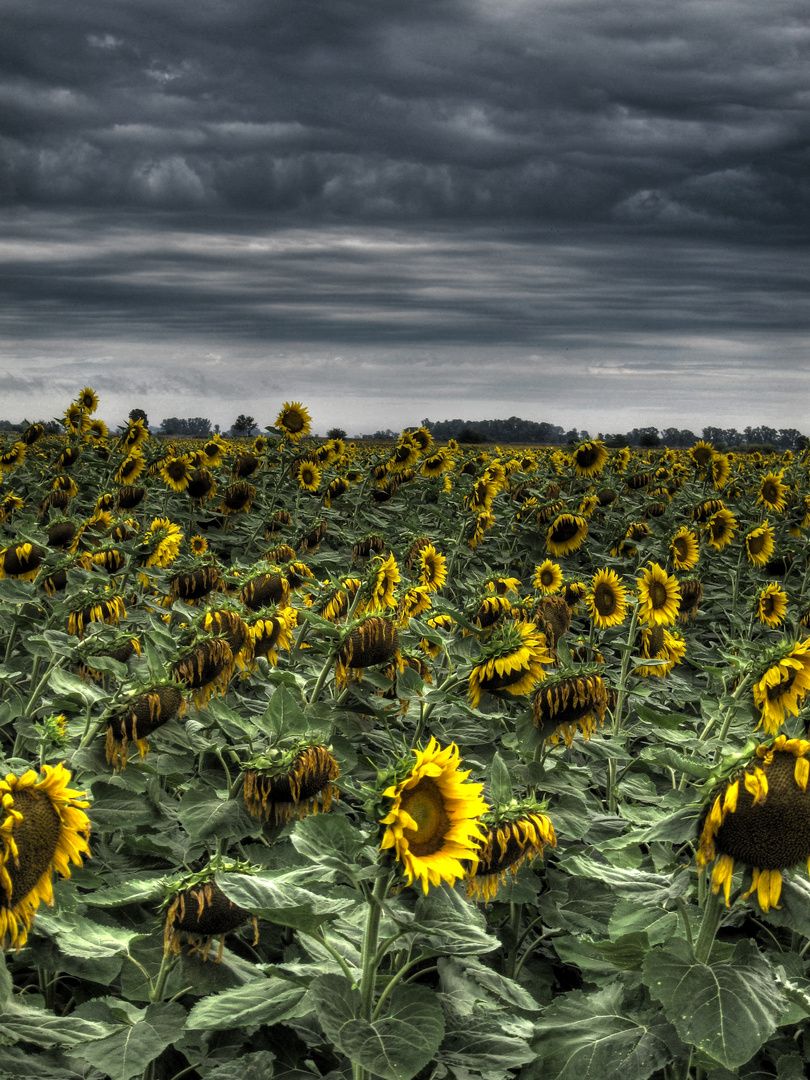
712	914
621	696
369	959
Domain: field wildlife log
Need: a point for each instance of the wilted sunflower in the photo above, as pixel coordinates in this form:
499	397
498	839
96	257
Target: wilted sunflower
309	476
517	834
720	529
566	534
432	568
433	825
759	544
760	818
129	497
200	909
373	641
772	605
703	511
481	524
658	643
287	784
43	828
213	452
230	625
606	599
685	549
335	603
270	634
414	602
9	504
205	669
195	583
589	458
238	497
659	596
294	422
150	710
312	539
106	607
691	595
570	701
511	661
773	493
337	487
264	589
21	561
783	685
553	617
548	577
491	610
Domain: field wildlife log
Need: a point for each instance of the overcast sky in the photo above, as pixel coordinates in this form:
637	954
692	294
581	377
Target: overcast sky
588	212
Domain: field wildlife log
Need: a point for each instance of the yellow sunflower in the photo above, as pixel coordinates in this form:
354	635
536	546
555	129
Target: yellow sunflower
565	534
293	421
384	579
720	470
606	599
505	845
759	544
88	400
773	493
783	686
162	543
589	458
659	596
309	476
720	529
548	577
433	824
130	468
44	828
176	472
658	643
432	568
684	548
512	661
772	605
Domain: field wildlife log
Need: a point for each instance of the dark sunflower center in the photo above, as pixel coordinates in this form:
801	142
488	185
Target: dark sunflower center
782	687
37	837
176	469
658	595
768	606
547	578
756	543
425	804
770	492
604	599
586	457
563	531
294	422
681	547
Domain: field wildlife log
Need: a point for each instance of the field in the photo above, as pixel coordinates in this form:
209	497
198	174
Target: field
336	760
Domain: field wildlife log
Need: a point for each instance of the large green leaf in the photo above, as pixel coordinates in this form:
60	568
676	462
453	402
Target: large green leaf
637	885
281	900
266	1001
205	816
591	1037
21	1022
485	1042
726	1009
396	1045
127	1052
452	925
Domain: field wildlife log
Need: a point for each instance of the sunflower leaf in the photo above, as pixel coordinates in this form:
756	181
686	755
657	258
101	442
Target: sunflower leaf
128	1051
500	782
726	1009
396	1045
264	1001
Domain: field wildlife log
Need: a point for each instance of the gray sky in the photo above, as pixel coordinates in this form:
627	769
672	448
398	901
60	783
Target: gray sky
589	213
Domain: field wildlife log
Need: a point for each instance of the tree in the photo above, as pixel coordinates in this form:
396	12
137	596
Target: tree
139	414
195	427
244	425
336	433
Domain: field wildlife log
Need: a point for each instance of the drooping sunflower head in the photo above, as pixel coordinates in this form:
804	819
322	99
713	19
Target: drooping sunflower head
432	825
691	595
566	534
374	641
147	710
381	580
272	633
263	589
511	661
760	817
720	529
515	834
413	603
43	828
569	701
195	583
589	458
783	685
197	907
773	492
607	599
21	561
105	605
205	669
238	497
666	647
288	783
553	617
772	605
659	596
294	422
548	577
720	469
759	544
685	549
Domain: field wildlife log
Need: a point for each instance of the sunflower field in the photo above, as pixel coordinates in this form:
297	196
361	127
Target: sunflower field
329	760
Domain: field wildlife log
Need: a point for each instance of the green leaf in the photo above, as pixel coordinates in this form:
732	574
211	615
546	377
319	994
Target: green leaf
658	924
127	1053
452	925
727	1009
283	716
6	985
266	1001
255	1066
83	938
487	1043
590	1037
70	685
21	1022
328	840
281	900
452	969
206	816
500	782
141	891
669	758
636	885
396	1045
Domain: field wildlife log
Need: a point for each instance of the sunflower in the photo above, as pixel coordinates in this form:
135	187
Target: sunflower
176	472
433	825
134	435
309	476
760	818
231	627
436	464
383	578
21	561
198	545
294	422
238	497
75	419
194	584
783	686
548	577
269	635
720	529
373	641
514	836
482	523
570	701
720	470
773	493
759	544
130	468
691	595
88	400
129	497
491	610
44	828
106	607
97	430
287	784
200	909
702	453
606	599
213	452
512	661
684	548
414	602
161	543
336	488
658	643
205	669
589	458
659	596
150	710
565	534
772	605
432	568
245	464
553	617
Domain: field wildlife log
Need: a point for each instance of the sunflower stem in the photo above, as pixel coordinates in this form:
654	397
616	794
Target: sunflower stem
515	915
712	914
368	956
621	695
159	986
